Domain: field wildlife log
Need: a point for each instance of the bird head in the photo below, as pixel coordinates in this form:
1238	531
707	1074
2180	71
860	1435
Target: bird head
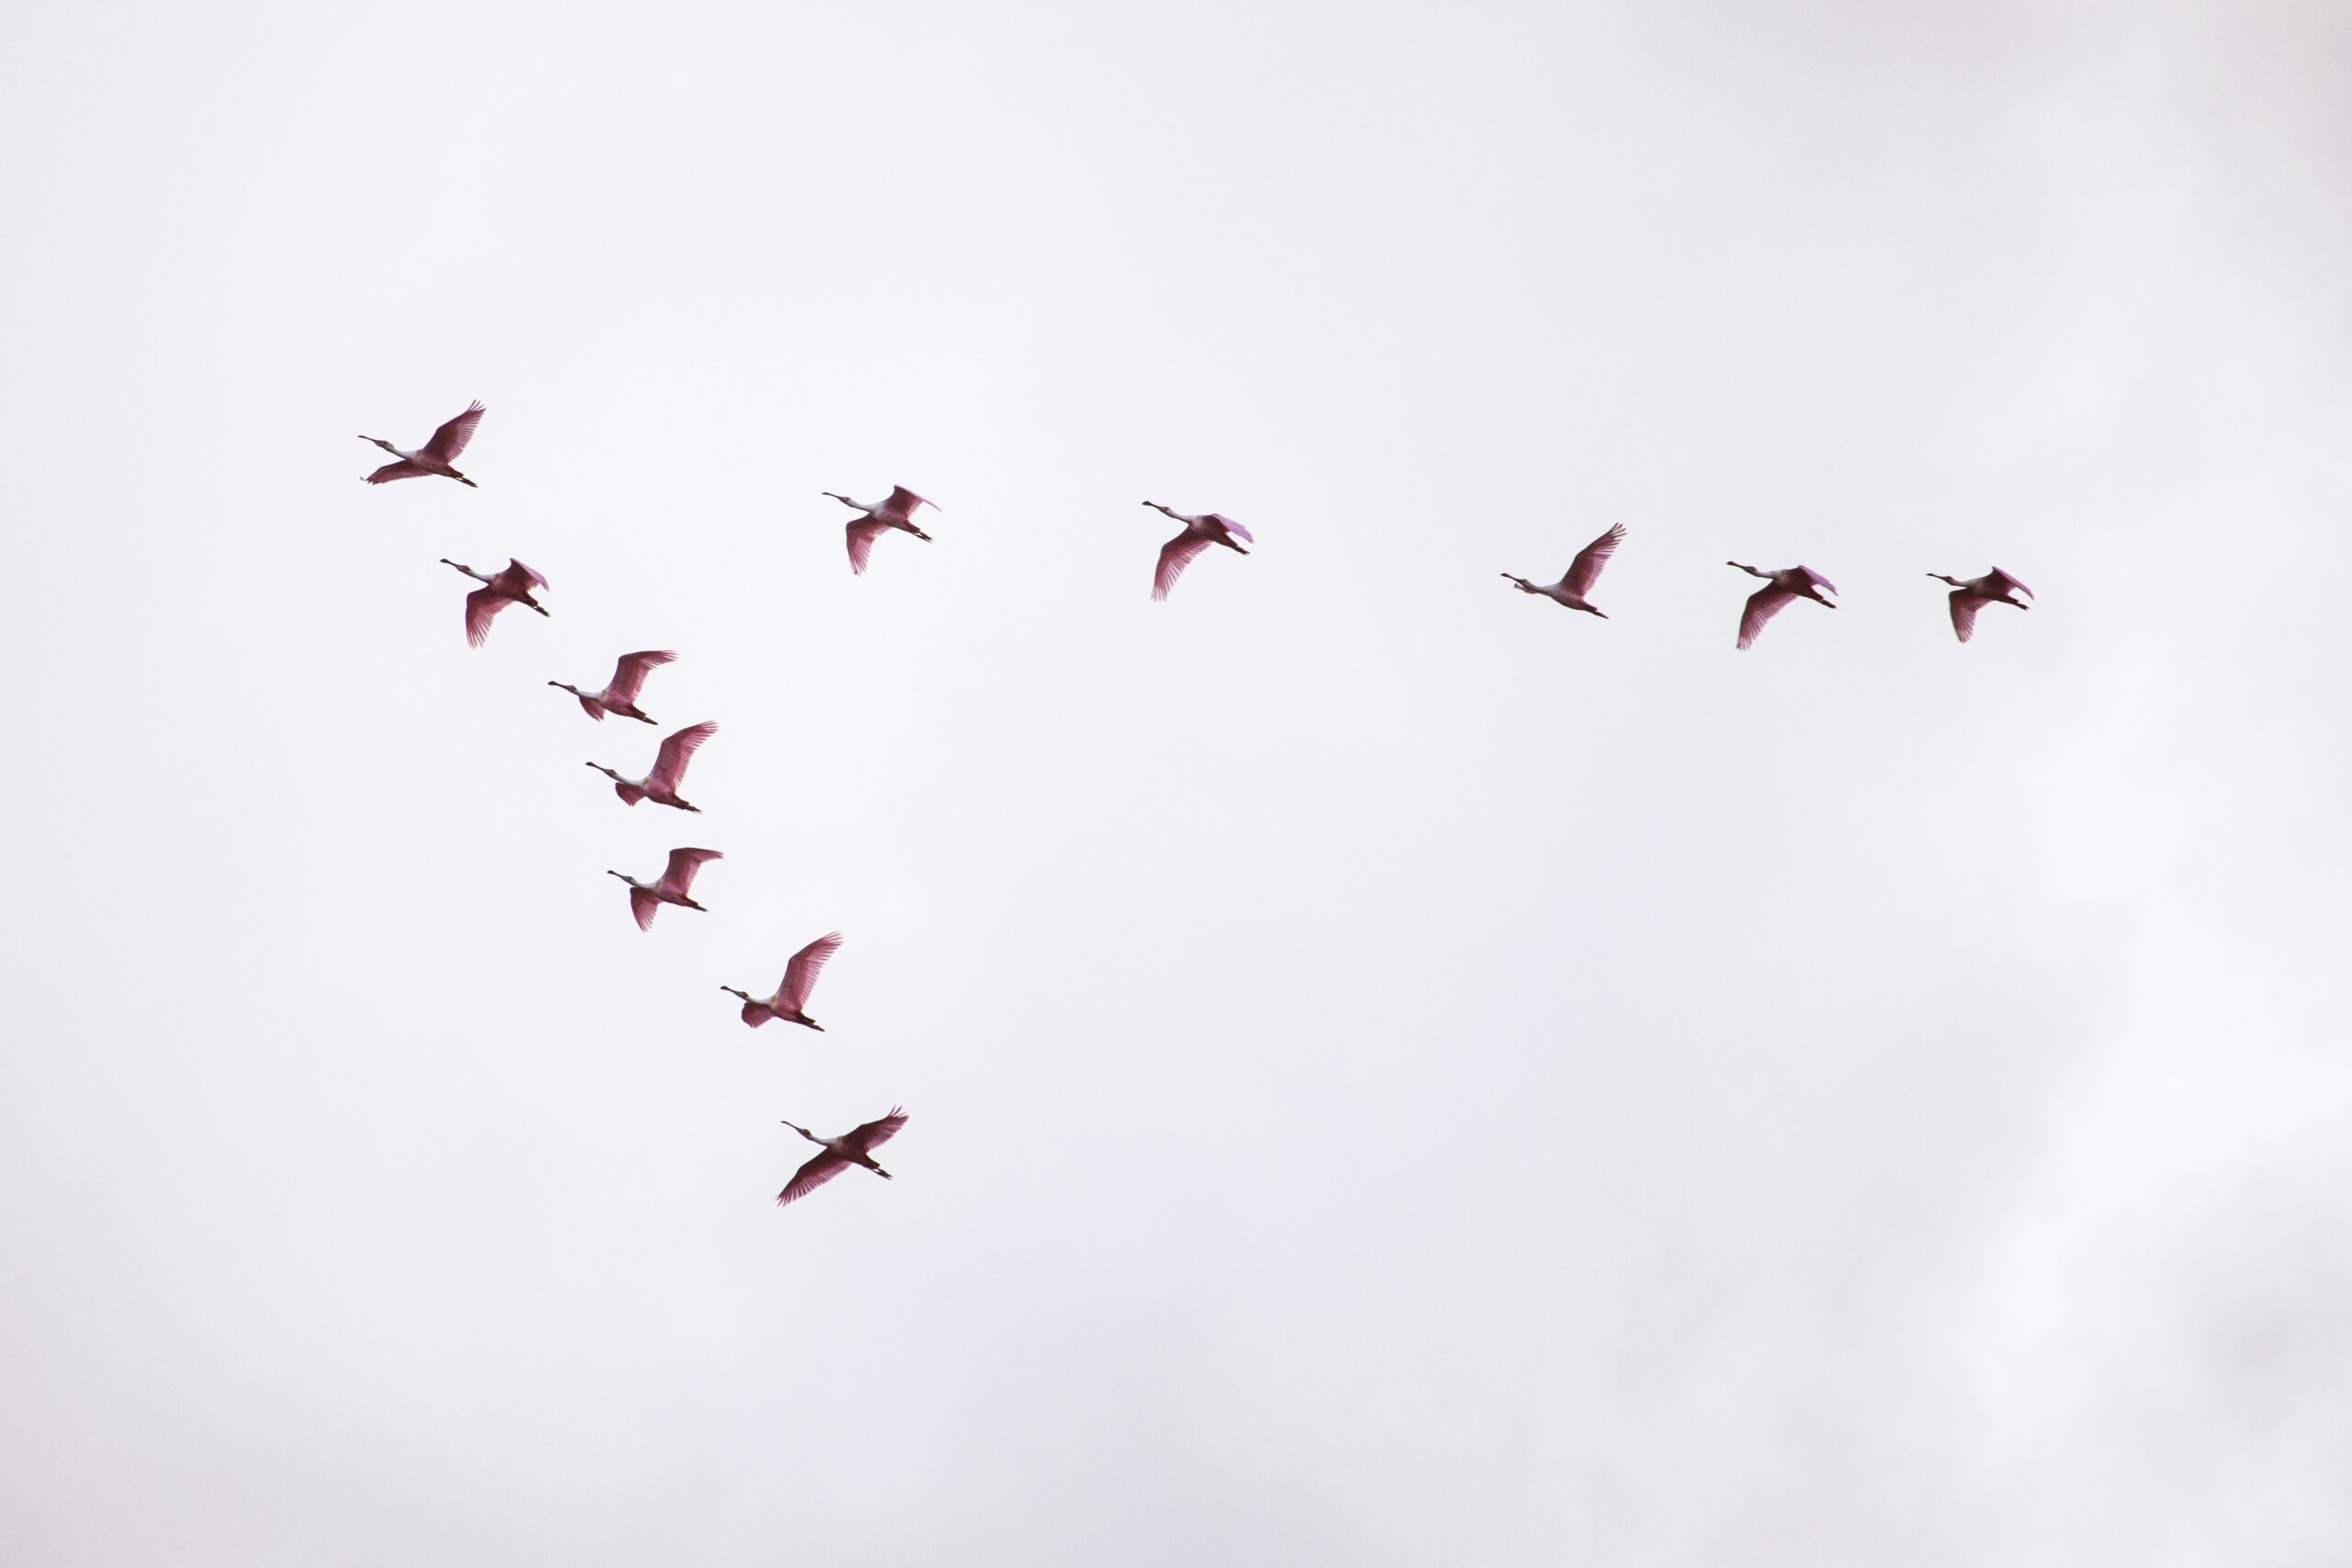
565	687
734	992
605	771
1939	577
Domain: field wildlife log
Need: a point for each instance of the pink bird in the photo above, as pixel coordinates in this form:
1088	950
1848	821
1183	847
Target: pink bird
1780	589
895	511
1200	533
853	1147
1995	587
661	785
792	996
619	696
1582	574
645	898
434	457
512	586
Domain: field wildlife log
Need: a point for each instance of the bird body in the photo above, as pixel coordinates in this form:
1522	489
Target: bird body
645	898
434	457
1780	589
1582	574
791	997
661	785
855	1147
1199	532
894	510
1971	594
512	586
619	695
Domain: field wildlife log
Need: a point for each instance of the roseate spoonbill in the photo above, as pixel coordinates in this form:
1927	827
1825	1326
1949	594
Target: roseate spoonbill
1995	587
792	996
1200	533
661	785
1582	574
645	898
619	695
895	510
854	1147
434	457
1780	588
512	586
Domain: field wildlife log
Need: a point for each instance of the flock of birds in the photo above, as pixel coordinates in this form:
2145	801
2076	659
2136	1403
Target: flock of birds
517	583
1781	588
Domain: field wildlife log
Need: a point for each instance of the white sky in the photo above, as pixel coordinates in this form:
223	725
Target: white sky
1400	1074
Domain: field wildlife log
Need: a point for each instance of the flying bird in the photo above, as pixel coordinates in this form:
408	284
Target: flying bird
1200	533
854	1147
434	457
619	695
895	511
512	586
792	996
661	785
1780	588
1582	574
1995	587
645	898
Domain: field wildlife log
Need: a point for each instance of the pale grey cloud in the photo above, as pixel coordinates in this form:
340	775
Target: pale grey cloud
1399	1072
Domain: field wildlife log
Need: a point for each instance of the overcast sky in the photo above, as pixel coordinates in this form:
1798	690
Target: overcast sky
1400	1074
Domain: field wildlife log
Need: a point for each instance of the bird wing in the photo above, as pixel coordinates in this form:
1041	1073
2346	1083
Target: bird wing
631	674
451	438
517	580
1174	557
1817	580
873	1134
902	503
683	863
1964	606
809	1177
644	905
1585	570
1230	527
800	974
1762	606
403	470
862	535
482	608
2012	583
670	762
